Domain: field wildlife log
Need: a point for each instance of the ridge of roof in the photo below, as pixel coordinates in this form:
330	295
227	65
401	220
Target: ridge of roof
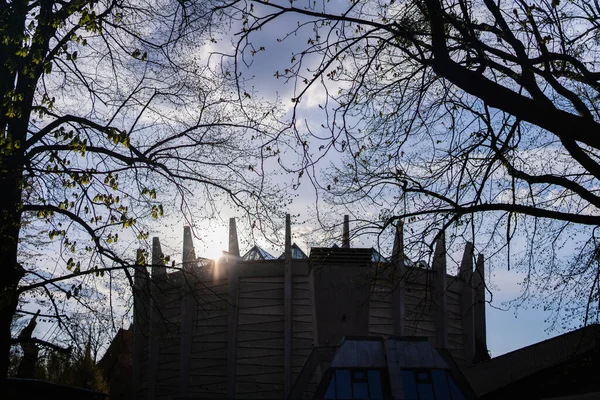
490	375
297	253
257	253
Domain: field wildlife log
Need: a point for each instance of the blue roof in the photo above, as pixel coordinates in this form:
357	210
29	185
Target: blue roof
256	253
297	253
377	257
413	367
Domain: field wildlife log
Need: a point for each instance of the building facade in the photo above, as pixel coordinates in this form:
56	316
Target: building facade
256	326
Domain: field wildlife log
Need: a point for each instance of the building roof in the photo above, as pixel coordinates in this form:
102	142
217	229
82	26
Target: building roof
256	253
122	344
407	365
374	352
297	253
491	375
360	352
413	352
340	256
377	257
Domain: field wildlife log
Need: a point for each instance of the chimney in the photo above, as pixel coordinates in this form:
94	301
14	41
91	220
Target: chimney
467	301
481	350
189	255
346	233
439	295
288	284
398	296
234	247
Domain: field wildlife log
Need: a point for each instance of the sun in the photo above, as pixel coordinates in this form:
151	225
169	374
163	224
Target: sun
211	245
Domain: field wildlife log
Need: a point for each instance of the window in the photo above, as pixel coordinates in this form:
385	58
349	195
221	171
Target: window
421	384
355	384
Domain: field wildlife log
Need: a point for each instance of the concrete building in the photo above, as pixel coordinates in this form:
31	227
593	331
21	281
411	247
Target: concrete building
563	367
257	326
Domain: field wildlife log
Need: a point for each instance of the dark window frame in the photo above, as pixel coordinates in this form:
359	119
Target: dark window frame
329	376
429	380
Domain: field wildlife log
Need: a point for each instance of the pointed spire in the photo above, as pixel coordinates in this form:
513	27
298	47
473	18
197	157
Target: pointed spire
188	285
140	273
478	280
287	301
189	255
346	233
140	259
288	238
467	300
398	297
141	299
439	256
234	247
398	251
158	267
481	350
156	251
440	288
157	322
466	265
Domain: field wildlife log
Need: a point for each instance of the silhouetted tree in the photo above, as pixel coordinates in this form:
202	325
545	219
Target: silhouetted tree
109	115
478	117
78	369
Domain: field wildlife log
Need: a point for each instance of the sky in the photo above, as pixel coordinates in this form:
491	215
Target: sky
508	327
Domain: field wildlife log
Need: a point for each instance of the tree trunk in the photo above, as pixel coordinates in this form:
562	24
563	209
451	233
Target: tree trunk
11	183
10	211
12	270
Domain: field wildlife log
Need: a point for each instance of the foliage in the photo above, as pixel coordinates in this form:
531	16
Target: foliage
78	369
474	117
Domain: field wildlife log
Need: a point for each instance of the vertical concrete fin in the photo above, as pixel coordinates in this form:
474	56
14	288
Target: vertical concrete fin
288	237
466	265
158	263
189	255
141	307
398	296
398	251
481	350
233	291
141	278
156	252
346	233
187	311
467	301
159	274
288	301
439	255
439	295
234	247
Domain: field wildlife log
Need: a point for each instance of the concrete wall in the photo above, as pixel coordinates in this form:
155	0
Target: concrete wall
237	314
